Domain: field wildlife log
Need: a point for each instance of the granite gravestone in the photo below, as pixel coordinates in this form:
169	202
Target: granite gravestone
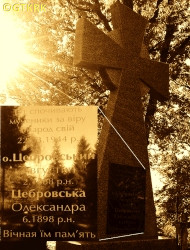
123	207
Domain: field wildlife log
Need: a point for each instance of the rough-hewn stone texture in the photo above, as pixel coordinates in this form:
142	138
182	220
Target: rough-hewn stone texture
123	55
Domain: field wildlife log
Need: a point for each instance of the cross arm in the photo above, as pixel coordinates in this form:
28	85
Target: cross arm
156	76
131	27
94	49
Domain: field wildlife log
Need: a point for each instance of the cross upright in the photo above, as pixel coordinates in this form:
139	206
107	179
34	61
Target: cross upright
121	54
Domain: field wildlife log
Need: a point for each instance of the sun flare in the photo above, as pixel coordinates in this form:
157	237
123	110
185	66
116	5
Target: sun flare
12	50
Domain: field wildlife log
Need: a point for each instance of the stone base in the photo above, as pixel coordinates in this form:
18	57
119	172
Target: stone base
152	244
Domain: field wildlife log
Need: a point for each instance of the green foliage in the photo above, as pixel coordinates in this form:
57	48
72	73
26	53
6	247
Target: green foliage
173	198
13	173
85	176
56	170
80	164
10	134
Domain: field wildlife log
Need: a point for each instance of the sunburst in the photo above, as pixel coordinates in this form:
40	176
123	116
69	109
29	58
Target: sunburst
20	60
13	51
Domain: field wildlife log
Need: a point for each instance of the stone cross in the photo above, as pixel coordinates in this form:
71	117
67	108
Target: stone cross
121	53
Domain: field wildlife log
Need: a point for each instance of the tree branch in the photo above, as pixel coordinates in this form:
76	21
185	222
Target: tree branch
170	30
153	19
179	50
103	18
151	109
89	8
92	8
182	85
128	3
155	47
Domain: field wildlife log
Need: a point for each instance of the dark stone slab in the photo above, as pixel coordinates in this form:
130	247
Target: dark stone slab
126	199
